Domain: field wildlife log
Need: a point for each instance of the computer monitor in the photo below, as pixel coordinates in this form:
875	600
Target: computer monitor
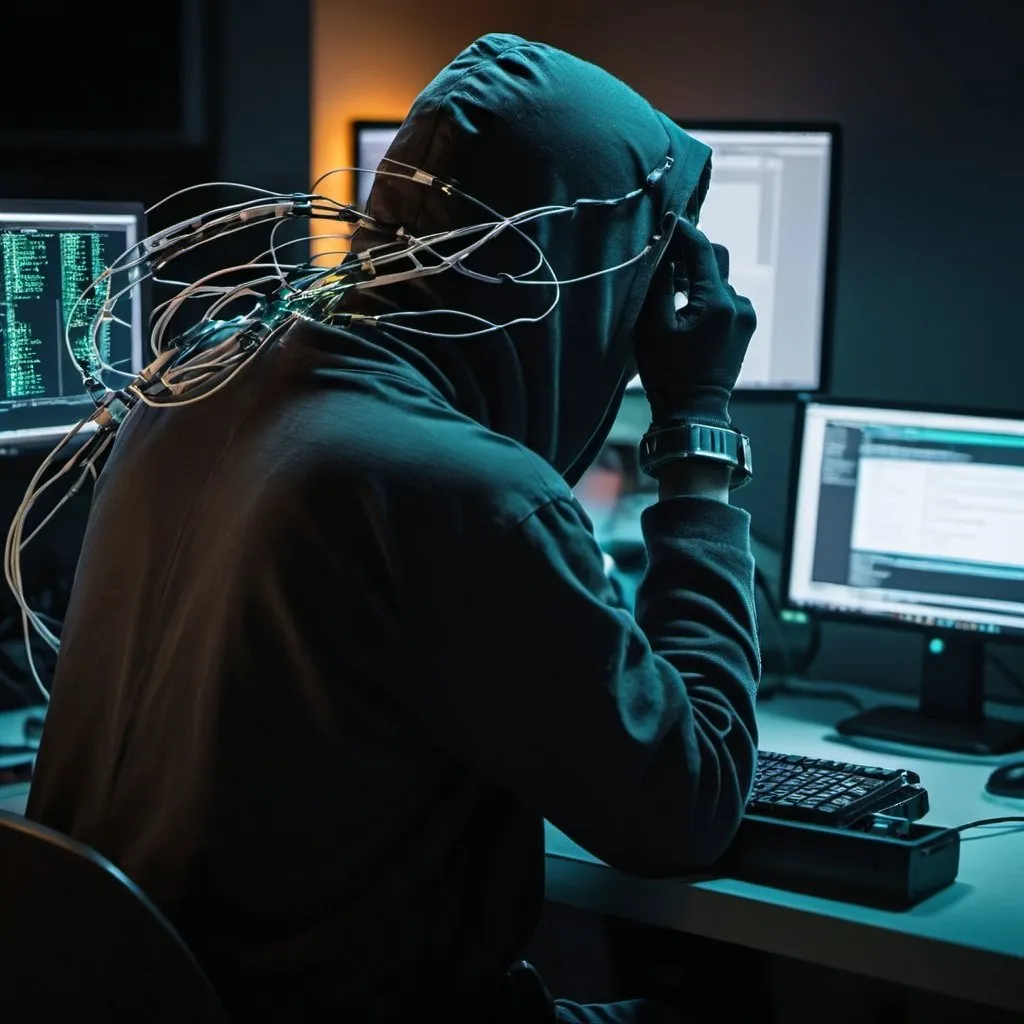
772	203
914	517
49	253
370	141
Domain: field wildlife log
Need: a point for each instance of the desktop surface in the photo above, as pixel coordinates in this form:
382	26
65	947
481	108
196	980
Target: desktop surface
966	941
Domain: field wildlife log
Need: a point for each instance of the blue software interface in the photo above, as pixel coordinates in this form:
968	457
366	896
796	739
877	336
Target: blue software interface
911	516
49	255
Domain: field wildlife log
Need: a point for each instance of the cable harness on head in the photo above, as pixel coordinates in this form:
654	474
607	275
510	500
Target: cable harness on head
197	363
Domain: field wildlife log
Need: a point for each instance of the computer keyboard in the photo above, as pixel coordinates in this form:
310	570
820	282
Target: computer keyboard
837	793
842	831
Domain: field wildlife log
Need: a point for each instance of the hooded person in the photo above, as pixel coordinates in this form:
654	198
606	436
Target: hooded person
340	637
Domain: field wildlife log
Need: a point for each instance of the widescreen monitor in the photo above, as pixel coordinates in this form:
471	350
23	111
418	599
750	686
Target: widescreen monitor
49	254
914	517
772	203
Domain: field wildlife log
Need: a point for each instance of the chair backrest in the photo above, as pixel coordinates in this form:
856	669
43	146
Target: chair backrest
79	940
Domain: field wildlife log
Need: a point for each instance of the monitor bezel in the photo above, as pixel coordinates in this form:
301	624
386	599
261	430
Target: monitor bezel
832	227
358	127
804	401
46	437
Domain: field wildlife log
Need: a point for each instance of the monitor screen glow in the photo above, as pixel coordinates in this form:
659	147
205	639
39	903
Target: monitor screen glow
909	517
49	253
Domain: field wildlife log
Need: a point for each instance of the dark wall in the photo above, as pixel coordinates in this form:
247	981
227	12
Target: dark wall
251	83
931	212
929	95
932	208
264	79
247	71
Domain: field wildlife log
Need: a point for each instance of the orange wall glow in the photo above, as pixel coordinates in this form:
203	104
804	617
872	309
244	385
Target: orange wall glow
369	63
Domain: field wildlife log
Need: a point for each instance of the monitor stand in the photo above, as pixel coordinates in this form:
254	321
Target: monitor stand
951	714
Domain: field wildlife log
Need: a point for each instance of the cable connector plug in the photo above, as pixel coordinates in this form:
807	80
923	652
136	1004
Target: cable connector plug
115	407
94	387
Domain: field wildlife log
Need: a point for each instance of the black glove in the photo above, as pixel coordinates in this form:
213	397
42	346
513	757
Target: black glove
689	359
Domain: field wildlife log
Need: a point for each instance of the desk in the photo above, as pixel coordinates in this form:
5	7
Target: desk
12	732
966	942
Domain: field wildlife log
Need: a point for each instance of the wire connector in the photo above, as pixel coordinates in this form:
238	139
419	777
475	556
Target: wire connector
116	406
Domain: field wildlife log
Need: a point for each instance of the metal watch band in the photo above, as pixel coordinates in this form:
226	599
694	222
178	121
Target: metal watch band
662	445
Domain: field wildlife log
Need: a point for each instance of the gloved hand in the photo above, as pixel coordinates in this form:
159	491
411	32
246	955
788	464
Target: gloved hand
689	358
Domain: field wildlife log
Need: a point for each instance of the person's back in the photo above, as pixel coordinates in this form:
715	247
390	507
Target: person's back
245	661
340	637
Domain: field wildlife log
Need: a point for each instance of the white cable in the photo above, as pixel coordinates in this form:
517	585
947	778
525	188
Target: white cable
345	236
15	544
203	225
205	373
210	184
272	335
157	331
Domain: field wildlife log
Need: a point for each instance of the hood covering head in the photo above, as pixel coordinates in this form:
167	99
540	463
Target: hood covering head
516	126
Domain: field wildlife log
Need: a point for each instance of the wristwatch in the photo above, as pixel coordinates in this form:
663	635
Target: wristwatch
662	445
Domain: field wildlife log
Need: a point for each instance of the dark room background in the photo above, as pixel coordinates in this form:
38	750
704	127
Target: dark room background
931	215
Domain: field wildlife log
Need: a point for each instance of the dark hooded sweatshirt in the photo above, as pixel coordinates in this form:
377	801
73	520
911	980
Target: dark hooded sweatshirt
340	636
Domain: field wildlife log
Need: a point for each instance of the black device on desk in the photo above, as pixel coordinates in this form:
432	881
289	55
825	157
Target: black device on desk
894	868
914	517
843	831
1007	781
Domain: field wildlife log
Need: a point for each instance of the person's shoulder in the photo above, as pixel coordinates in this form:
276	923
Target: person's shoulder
492	475
426	462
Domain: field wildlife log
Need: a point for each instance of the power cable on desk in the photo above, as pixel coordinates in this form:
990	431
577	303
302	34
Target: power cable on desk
1009	819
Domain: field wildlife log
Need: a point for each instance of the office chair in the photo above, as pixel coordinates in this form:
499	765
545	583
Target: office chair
78	940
